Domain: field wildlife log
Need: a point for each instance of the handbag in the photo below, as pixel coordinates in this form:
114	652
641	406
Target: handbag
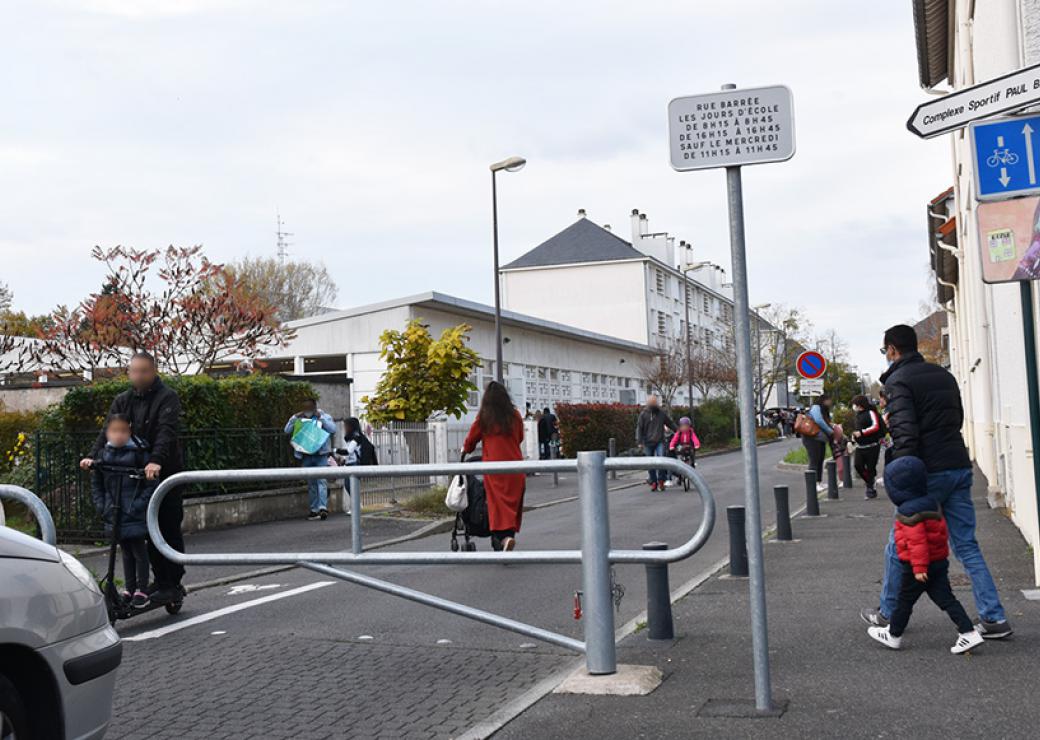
456	498
308	437
805	426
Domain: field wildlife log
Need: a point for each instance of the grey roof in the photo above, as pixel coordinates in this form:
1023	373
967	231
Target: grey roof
582	241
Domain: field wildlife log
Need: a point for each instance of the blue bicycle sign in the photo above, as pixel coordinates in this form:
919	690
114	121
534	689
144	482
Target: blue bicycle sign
1002	156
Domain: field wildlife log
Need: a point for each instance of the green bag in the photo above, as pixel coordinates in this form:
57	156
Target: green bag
308	437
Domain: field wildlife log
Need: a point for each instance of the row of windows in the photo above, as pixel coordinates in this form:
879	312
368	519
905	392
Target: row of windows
709	303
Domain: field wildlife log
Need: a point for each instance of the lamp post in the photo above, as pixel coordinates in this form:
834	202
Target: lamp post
759	402
687	268
512	164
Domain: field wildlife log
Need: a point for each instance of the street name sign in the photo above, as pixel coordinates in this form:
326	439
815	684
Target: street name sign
810	365
812	387
1011	92
731	128
1007	157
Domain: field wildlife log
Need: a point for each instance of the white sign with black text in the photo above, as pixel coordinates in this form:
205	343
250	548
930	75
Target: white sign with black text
811	387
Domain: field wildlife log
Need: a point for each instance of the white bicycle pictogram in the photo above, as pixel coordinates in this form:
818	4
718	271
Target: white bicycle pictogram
1002	156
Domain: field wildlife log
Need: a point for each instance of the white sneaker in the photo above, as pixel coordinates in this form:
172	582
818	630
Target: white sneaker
821	487
882	635
669	483
966	641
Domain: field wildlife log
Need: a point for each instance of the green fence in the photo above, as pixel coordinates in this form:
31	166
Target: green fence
66	489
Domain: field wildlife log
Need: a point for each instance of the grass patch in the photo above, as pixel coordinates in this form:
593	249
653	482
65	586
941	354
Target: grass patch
797	456
640	626
430	503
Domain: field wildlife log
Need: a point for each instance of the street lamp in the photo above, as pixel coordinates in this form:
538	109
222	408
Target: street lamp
512	164
759	401
689	267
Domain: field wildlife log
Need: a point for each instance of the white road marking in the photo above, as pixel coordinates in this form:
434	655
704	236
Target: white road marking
366	638
209	616
218	632
245	588
444	642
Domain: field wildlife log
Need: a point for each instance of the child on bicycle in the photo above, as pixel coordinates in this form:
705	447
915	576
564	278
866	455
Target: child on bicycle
114	477
685	439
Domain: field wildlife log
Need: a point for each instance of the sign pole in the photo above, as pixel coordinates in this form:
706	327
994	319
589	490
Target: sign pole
753	520
1032	379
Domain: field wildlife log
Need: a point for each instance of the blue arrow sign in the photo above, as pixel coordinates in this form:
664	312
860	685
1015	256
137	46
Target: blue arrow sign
1006	157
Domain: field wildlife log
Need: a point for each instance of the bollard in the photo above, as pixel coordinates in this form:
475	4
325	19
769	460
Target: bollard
552	456
600	652
612	452
832	480
812	502
658	598
355	515
783	514
846	476
738	561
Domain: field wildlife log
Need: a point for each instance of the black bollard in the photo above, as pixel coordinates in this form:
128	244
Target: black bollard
783	514
658	598
612	452
812	502
832	480
552	456
846	474
738	564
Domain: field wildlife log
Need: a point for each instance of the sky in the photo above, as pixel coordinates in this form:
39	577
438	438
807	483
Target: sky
370	128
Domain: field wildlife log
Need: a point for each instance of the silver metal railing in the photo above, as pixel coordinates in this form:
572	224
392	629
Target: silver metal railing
595	555
36	506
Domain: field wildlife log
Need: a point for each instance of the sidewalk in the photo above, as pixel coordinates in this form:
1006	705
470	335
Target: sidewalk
838	682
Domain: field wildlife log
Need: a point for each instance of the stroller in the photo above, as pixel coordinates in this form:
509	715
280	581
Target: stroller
117	606
473	522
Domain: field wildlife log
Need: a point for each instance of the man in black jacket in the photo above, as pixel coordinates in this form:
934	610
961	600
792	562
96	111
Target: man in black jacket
652	427
155	414
925	418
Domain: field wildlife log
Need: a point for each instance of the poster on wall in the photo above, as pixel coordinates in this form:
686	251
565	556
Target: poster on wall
1009	240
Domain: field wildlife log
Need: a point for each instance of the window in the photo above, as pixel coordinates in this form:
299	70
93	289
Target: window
662	327
554	374
660	281
707	304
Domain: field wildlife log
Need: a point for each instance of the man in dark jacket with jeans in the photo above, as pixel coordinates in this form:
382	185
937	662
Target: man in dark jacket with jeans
650	435
155	414
924	418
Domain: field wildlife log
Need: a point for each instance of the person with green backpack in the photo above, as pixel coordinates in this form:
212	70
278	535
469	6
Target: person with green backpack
310	435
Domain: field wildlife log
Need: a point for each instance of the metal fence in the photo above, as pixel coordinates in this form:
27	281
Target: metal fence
400	443
66	489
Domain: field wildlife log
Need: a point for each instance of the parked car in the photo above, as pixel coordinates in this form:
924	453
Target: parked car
58	652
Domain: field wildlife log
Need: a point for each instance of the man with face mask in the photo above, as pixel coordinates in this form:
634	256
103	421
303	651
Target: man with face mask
925	416
155	415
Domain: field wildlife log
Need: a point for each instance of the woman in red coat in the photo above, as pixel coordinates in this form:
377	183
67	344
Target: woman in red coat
501	430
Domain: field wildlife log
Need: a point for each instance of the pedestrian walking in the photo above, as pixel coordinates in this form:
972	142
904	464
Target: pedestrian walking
357	448
310	434
651	427
924	419
816	443
500	432
113	485
155	416
870	430
920	537
548	427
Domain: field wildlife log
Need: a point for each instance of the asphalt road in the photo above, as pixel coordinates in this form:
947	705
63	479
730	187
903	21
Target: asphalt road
297	655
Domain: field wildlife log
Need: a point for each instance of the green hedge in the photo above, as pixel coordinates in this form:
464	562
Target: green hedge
239	402
589	426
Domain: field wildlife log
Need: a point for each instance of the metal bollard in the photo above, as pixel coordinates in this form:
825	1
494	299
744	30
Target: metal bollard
658	599
832	480
738	560
812	502
846	481
600	653
355	515
553	454
612	452
783	514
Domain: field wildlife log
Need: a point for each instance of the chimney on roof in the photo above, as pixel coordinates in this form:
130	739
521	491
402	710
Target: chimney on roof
635	226
606	227
581	213
644	225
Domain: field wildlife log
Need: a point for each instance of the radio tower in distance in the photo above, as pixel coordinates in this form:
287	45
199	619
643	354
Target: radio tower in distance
283	245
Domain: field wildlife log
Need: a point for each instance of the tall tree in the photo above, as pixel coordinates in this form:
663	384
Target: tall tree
295	289
665	372
6	297
424	377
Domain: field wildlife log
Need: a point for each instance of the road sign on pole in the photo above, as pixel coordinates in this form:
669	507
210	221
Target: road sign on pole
811	388
810	365
1011	92
730	129
1006	157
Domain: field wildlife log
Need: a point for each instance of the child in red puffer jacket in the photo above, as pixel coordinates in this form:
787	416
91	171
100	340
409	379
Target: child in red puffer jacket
921	545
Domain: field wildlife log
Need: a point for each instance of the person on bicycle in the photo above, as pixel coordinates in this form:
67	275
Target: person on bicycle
685	440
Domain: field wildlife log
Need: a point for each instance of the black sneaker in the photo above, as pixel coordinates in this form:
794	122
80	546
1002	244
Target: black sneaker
166	595
873	617
324	514
993	630
871	493
313	516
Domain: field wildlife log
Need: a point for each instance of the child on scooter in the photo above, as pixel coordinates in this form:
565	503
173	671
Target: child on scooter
112	478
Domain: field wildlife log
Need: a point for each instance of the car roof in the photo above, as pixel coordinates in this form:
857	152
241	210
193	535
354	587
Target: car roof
14	544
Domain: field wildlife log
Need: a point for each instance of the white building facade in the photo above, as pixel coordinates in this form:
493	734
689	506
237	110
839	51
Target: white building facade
961	43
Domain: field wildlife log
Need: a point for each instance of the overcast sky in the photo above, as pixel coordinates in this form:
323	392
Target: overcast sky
370	127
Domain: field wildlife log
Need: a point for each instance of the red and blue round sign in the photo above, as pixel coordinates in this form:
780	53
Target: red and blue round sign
810	365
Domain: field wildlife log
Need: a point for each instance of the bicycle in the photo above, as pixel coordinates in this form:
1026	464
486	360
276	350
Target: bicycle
686	454
1002	156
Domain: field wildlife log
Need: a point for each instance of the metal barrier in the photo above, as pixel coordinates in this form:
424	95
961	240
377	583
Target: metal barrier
595	555
43	517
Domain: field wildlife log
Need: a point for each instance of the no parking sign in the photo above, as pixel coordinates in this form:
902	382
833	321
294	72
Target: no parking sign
811	365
